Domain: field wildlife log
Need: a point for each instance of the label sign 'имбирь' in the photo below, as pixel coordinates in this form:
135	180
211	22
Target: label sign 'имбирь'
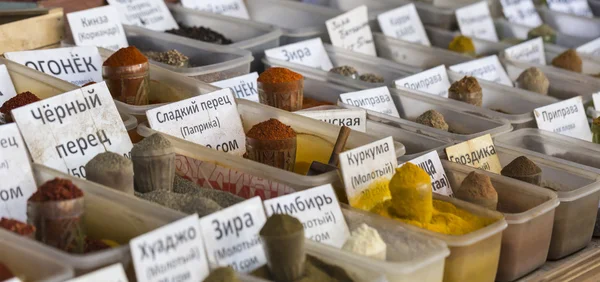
7	89
521	12
231	236
99	27
531	51
591	48
150	14
365	170
17	179
488	68
475	21
113	273
375	99
243	87
309	53
232	8
433	81
64	132
174	252
404	23
77	65
478	152
355	119
575	7
351	31
432	164
565	117
211	120
319	211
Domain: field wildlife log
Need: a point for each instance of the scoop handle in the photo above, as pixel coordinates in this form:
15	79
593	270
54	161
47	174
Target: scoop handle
340	143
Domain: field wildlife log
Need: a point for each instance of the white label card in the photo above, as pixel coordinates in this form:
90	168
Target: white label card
243	87
575	7
211	120
15	170
433	81
64	132
99	27
309	53
488	68
151	14
591	48
174	252
232	236
351	31
404	23
432	164
113	273
565	117
531	51
478	152
475	21
521	12
366	171
232	8
355	119
319	211
596	99
7	89
375	99
77	65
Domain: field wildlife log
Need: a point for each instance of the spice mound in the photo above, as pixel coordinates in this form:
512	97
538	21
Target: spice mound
17	227
315	270
278	75
201	33
271	129
466	90
111	170
462	44
222	274
347	71
433	118
56	190
224	199
569	60
371	78
171	57
18	101
523	169
185	203
281	88
126	57
544	31
366	241
5	273
477	188
533	79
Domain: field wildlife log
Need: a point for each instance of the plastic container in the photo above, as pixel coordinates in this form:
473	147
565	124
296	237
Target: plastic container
571	24
30	263
529	213
246	34
298	21
128	84
506	30
282	95
247	178
38	83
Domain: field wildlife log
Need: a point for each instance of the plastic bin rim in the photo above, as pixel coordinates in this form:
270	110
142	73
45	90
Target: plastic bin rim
549	69
129	121
37	75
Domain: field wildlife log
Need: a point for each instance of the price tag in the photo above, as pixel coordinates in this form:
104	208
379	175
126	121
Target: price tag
232	236
366	171
64	132
565	117
351	31
174	252
319	211
404	23
478	152
575	7
7	89
375	99
309	53
232	8
521	12
475	21
77	65
590	48
17	179
151	14
243	87
113	273
355	119
432	164
531	51
99	27
433	81
488	68
211	120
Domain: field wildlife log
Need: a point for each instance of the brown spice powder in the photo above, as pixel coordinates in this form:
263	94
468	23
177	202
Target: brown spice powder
56	190
467	84
271	129
568	60
477	185
521	166
278	75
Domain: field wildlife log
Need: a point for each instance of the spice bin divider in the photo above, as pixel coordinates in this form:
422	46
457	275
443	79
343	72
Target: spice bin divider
30	262
570	24
529	213
506	29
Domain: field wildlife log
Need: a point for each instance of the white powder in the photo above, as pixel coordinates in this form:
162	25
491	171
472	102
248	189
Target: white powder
366	241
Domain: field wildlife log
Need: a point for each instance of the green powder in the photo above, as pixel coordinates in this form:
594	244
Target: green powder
222	274
281	225
315	271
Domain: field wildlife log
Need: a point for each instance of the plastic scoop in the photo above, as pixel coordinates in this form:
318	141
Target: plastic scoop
317	168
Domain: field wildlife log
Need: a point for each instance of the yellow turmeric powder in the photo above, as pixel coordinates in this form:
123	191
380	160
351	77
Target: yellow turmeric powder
410	189
377	192
462	44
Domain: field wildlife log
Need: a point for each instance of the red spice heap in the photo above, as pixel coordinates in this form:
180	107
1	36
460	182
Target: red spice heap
94	245
126	57
20	100
56	190
278	75
271	129
16	226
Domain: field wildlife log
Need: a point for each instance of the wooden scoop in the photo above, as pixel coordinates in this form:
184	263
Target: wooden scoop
317	168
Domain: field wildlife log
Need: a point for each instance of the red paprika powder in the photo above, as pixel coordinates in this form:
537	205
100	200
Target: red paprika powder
278	75
271	129
281	88
18	101
16	226
56	190
126	57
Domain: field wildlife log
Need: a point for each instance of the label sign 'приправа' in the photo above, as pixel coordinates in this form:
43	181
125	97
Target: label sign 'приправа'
232	8
488	68
565	117
243	87
375	99
309	53
476	21
99	27
433	81
150	14
478	152
351	31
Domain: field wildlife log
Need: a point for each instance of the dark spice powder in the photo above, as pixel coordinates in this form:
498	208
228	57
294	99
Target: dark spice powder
16	226
18	101
201	33
521	166
222	274
271	129
56	190
281	225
